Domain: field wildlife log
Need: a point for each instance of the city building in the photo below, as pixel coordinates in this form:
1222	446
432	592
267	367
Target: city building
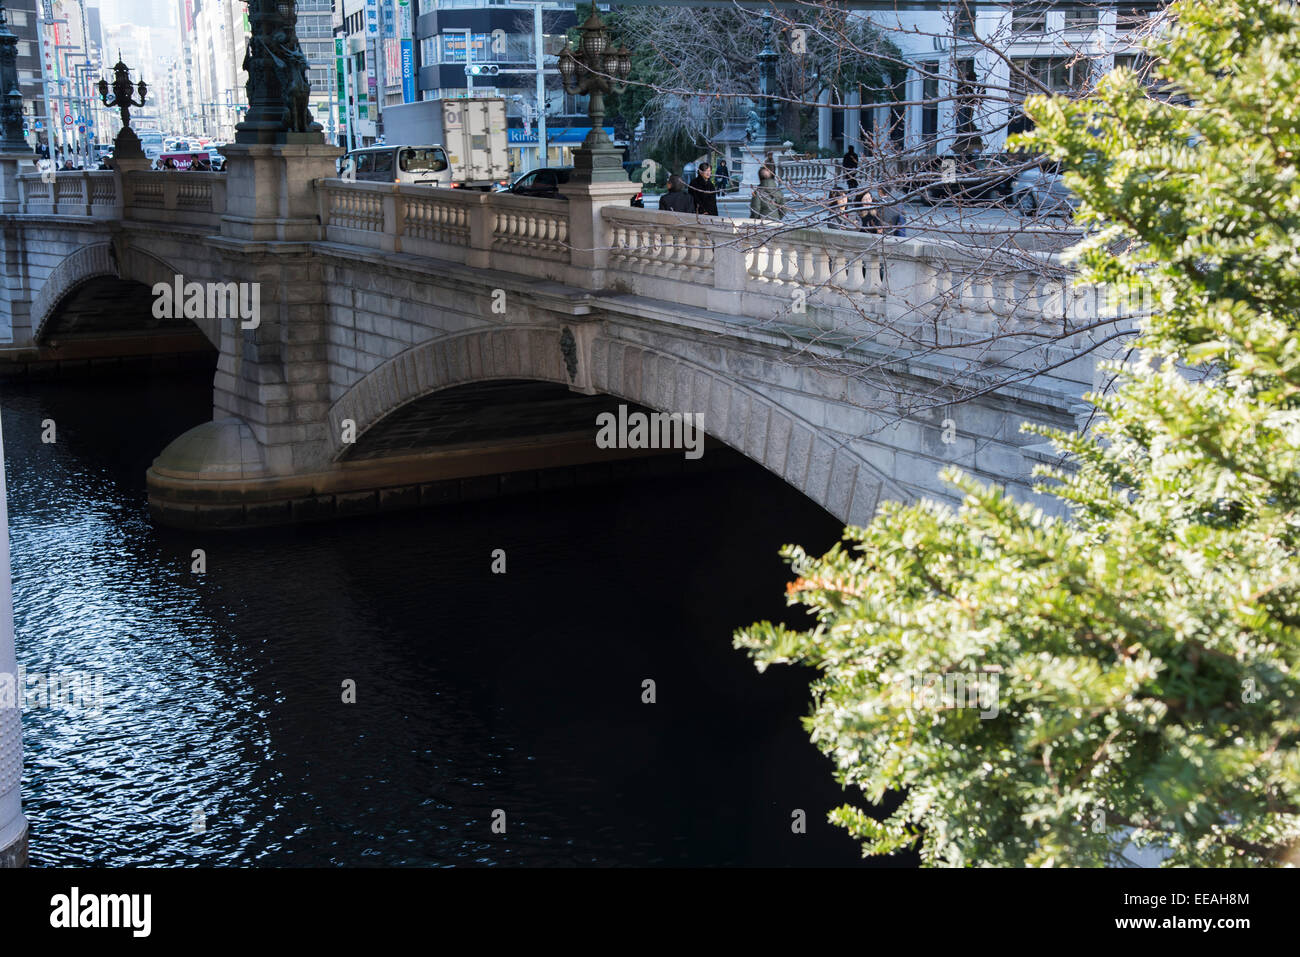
391	52
220	37
961	93
501	38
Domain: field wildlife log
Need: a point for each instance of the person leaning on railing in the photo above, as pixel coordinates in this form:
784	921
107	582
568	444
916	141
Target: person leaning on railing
677	199
767	202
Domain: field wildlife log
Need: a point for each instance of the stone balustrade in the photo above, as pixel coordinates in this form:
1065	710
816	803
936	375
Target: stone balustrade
974	305
813	175
517	234
185	198
70	193
182	198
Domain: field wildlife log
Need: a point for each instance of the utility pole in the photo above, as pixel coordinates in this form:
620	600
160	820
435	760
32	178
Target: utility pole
469	56
381	70
538	58
350	91
45	12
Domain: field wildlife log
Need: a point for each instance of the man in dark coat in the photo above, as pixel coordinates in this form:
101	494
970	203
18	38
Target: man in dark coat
851	167
676	200
705	191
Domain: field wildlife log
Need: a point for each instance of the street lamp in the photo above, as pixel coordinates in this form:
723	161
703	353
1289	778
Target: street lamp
127	144
12	139
596	69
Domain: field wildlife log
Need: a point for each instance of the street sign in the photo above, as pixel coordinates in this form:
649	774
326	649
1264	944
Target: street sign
67	119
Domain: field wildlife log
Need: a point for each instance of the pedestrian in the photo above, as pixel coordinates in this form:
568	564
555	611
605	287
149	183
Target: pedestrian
873	222
851	167
676	200
704	191
869	213
768	202
840	216
888	215
724	176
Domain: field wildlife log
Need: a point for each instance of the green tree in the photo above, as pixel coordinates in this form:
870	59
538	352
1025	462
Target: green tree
1144	647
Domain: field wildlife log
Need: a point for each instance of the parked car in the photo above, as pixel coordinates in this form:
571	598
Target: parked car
963	178
545	183
1041	190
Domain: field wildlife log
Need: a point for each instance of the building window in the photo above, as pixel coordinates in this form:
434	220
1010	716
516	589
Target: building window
1139	63
1028	16
898	114
18	18
967	97
1080	18
963	19
1057	74
24	48
930	105
1133	17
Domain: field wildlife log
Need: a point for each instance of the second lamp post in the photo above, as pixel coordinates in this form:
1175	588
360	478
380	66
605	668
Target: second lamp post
596	68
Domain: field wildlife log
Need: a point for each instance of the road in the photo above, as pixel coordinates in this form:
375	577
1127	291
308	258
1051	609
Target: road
978	225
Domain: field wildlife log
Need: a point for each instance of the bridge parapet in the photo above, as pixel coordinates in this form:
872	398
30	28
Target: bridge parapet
92	193
979	307
817	174
182	198
171	196
516	234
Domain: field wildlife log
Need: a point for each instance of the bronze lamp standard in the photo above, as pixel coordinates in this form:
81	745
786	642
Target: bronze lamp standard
596	68
127	144
12	139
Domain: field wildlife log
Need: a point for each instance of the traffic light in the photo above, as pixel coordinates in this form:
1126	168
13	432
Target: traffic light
482	69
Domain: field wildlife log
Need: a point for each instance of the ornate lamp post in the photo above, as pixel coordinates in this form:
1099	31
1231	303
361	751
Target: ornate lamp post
762	135
11	98
127	144
767	111
596	68
278	88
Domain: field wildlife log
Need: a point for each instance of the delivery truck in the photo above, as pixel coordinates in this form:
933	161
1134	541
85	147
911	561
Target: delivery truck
472	132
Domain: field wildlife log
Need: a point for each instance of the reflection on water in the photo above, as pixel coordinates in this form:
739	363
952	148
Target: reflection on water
224	738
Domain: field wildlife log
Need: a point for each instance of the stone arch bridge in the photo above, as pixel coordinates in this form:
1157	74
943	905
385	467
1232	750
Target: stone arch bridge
386	312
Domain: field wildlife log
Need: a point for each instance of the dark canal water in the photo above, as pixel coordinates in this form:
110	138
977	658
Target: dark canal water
475	691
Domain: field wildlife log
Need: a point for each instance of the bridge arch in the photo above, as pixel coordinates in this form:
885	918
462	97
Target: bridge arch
832	475
104	261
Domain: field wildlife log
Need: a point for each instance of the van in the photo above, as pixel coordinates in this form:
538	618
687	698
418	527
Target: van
421	165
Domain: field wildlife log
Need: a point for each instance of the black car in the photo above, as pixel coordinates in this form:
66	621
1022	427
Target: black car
974	178
545	183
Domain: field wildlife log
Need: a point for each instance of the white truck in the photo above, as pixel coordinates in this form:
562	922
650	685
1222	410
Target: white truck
471	131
